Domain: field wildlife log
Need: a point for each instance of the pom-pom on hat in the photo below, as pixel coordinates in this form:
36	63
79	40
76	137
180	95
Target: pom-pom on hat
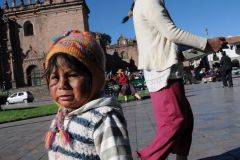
84	47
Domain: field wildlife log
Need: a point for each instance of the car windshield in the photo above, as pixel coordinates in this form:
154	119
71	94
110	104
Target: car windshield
14	95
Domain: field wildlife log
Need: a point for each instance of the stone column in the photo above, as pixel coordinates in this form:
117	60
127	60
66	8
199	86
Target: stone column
21	3
13	3
11	60
12	71
38	2
29	2
6	6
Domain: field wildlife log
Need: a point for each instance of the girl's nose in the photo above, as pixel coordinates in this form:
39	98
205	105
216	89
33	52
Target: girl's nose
63	83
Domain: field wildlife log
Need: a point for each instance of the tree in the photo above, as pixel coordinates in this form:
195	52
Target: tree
104	38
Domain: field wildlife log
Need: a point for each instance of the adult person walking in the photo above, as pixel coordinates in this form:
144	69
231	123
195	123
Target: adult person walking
226	70
157	38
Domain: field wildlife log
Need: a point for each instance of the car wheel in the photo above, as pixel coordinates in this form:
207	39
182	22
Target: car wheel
7	103
25	101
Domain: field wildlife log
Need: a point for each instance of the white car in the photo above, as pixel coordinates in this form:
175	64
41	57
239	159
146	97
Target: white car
235	71
20	97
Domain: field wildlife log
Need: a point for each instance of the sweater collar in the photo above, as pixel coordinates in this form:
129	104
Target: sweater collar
99	102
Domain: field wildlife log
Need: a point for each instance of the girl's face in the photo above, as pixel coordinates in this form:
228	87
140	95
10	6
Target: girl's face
69	88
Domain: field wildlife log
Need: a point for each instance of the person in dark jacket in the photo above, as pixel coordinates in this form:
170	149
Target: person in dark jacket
226	69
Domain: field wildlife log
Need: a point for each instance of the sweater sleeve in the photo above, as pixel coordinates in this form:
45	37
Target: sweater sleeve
158	16
111	139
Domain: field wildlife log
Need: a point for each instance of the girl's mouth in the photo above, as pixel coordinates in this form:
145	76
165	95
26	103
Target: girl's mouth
65	97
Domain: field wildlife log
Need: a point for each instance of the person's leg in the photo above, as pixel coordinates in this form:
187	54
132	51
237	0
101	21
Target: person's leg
169	120
124	92
184	140
224	78
133	92
229	74
125	98
137	96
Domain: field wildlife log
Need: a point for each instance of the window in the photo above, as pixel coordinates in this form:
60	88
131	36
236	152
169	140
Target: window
238	48
28	28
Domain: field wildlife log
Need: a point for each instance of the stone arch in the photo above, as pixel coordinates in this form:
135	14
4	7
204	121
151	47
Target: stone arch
33	76
28	28
235	63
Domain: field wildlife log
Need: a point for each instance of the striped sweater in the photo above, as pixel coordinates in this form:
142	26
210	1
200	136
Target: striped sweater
98	131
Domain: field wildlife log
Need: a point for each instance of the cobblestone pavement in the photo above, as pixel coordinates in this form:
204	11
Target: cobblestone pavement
216	127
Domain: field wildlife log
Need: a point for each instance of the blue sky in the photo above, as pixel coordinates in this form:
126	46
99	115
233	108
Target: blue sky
221	17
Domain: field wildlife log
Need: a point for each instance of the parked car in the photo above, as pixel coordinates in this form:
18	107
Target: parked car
20	97
235	71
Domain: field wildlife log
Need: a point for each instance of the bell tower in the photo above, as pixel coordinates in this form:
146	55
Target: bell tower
31	24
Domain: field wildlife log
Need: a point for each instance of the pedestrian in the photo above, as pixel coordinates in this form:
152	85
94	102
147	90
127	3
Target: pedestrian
226	70
126	88
88	124
158	38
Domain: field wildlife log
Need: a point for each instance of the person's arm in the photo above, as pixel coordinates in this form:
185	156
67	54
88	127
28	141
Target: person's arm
111	138
158	16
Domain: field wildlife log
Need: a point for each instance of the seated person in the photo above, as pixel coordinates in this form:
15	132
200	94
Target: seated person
125	87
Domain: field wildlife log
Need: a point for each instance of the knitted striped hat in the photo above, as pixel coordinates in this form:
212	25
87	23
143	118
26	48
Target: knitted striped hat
84	47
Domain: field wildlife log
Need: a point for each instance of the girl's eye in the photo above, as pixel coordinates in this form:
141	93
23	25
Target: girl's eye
73	75
54	77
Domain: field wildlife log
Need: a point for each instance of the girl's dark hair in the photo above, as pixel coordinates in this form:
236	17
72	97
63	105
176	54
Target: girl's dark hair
71	61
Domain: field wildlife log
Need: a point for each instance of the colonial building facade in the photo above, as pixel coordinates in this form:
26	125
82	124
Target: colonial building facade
25	31
123	54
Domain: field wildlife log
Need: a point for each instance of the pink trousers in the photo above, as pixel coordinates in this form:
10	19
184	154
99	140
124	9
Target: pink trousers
174	120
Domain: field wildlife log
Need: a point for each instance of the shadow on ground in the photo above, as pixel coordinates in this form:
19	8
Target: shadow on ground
230	155
145	97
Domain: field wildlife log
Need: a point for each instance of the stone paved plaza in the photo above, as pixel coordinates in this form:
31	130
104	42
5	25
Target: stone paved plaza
216	128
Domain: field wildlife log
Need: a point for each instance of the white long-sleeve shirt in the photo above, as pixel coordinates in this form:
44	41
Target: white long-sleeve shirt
157	36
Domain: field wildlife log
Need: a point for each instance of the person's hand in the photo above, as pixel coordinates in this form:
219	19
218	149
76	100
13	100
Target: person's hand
216	44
